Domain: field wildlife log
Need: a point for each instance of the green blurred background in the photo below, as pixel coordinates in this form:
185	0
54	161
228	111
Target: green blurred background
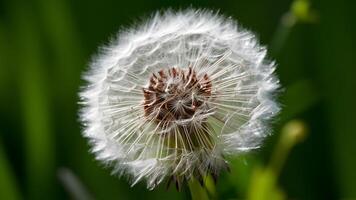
45	45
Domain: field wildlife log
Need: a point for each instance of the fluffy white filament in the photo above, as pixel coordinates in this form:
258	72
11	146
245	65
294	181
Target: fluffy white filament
231	119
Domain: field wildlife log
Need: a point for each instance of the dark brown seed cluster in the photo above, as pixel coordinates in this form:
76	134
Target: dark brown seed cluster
175	94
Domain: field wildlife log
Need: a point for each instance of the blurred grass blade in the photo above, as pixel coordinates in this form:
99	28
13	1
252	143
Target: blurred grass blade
3	55
335	39
66	62
8	185
241	172
263	186
280	36
209	184
300	11
39	146
264	181
292	133
73	185
68	58
197	191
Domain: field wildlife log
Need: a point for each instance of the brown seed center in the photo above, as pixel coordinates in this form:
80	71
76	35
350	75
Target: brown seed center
175	94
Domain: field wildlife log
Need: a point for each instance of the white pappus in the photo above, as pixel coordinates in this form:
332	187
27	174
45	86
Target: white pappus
170	98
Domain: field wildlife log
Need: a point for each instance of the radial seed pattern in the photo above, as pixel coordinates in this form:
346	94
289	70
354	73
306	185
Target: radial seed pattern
170	98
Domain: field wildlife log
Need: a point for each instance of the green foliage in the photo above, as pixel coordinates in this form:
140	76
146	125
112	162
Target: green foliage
8	185
45	45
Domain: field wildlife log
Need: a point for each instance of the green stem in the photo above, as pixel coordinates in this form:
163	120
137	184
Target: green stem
299	11
284	28
197	191
209	184
292	133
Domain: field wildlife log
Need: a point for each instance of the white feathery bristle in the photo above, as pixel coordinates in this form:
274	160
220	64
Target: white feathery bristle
168	99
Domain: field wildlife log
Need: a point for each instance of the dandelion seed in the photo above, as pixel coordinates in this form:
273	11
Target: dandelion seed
169	99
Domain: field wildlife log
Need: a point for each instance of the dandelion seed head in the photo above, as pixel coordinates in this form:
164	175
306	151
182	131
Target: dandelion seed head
170	98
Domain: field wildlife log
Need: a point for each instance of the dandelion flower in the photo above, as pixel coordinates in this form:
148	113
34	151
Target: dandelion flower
171	98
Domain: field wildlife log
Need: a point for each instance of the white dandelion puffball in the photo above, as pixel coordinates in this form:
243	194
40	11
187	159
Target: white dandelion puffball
170	98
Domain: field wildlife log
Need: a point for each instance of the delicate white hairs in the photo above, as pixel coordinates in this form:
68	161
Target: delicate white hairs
170	98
